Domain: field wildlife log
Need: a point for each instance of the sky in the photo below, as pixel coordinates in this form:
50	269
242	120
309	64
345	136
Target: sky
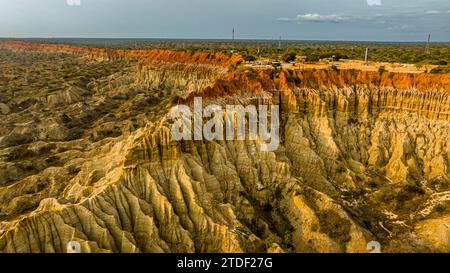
356	20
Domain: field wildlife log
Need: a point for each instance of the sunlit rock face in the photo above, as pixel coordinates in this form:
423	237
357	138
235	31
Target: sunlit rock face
363	157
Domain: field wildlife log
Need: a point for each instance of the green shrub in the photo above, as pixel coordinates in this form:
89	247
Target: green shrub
289	57
249	58
440	62
312	58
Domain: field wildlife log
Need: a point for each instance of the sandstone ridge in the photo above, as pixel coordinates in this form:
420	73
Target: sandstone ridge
364	156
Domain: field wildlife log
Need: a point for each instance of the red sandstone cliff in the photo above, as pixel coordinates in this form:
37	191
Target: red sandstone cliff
166	56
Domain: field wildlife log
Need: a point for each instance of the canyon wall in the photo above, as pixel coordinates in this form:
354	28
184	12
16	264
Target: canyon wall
363	156
104	54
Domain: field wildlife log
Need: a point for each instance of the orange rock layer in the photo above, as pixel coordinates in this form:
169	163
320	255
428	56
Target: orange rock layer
255	80
258	81
167	56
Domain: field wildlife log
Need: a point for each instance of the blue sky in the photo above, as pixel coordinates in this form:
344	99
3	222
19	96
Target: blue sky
378	20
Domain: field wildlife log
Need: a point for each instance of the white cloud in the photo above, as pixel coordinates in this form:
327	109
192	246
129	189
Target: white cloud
284	19
319	18
374	2
330	18
73	2
398	27
391	20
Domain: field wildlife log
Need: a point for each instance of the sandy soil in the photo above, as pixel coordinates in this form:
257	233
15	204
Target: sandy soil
358	65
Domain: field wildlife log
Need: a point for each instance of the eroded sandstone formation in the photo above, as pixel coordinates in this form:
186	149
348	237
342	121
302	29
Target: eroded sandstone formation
363	156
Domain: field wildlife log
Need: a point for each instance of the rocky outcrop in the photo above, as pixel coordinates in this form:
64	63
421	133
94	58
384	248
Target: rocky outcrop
4	109
181	79
363	156
71	95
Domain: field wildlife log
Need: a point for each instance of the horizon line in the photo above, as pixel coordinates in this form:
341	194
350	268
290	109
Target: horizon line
223	39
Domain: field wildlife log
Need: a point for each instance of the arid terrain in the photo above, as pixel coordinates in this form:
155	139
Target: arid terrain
86	155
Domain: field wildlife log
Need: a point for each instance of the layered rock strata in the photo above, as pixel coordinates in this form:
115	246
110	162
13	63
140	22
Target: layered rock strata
363	156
